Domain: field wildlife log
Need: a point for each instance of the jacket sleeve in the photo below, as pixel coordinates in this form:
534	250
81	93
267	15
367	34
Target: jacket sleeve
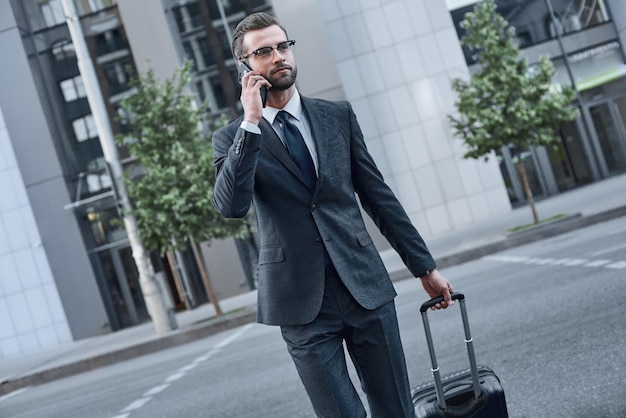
235	160
380	203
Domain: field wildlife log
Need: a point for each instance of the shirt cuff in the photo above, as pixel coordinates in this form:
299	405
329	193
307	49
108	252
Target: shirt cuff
250	127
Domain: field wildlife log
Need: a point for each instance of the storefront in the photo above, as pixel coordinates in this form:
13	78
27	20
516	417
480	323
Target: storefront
592	147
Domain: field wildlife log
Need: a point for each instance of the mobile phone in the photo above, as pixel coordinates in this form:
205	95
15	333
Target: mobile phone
245	68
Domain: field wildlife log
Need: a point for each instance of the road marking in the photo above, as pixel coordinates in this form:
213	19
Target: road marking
570	262
610	250
174	377
233	337
598	263
576	262
14	393
188	367
155	390
145	398
618	265
136	404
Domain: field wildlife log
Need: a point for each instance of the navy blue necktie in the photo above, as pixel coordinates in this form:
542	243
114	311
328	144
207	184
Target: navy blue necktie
298	150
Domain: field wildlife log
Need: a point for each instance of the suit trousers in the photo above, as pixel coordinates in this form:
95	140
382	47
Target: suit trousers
372	339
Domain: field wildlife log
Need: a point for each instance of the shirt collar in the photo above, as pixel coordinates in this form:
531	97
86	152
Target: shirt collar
293	107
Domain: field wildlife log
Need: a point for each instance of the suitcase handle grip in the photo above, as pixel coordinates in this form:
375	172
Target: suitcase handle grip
468	343
430	303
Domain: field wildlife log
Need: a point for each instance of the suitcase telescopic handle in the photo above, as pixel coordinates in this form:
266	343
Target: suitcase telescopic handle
469	343
430	303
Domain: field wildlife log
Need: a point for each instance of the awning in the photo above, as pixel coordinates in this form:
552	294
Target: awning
602	78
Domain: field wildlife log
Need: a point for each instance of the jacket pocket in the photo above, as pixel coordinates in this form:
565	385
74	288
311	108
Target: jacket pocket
364	238
273	254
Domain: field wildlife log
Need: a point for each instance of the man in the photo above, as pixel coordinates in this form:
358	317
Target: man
320	277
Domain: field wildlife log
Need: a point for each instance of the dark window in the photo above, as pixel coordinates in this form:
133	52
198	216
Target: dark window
218	92
532	22
207	53
109	41
117	76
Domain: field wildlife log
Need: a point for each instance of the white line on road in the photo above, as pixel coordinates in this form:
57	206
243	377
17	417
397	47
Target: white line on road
188	367
609	250
233	337
136	404
155	390
598	263
576	262
14	393
181	372
618	265
570	262
174	377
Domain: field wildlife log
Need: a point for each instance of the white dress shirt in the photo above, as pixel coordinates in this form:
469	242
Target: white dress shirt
298	118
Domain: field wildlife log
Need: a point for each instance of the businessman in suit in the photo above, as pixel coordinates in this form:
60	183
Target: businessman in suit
300	161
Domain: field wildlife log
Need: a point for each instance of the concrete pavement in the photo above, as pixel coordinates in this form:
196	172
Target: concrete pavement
590	204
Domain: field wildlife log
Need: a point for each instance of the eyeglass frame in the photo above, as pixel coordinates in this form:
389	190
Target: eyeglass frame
289	42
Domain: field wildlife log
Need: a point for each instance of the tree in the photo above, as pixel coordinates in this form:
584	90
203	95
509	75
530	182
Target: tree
172	192
505	103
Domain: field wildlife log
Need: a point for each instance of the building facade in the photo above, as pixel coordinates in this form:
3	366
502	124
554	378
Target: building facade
66	271
591	34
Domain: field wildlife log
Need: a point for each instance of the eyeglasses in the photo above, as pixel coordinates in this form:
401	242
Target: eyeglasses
266	52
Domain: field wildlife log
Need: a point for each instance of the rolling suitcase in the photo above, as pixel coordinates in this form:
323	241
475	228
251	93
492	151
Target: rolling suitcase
474	392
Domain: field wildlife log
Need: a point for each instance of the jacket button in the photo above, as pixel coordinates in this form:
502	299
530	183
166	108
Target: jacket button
318	241
313	208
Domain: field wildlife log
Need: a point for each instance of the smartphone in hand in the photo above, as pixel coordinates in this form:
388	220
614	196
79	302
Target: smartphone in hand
245	68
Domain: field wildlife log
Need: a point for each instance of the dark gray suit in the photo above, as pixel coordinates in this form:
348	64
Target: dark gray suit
295	225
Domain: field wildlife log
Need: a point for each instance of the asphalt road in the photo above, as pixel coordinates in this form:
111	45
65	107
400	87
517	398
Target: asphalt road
547	317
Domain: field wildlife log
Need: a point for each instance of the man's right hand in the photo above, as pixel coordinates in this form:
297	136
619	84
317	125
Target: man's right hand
435	284
251	83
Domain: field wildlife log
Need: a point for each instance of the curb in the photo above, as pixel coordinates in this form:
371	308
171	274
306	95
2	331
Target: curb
539	233
248	315
170	340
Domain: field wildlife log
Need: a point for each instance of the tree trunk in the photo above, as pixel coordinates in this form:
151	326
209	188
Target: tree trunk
527	191
205	277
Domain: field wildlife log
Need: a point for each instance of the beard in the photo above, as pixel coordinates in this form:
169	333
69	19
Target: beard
284	80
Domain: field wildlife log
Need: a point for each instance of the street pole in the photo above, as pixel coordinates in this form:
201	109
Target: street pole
152	294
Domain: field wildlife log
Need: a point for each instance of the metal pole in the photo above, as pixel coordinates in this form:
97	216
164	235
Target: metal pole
229	36
579	101
149	287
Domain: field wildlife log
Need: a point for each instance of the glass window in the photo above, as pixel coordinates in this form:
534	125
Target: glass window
117	76
90	6
207	53
532	21
63	50
189	54
85	128
73	88
110	41
52	12
218	92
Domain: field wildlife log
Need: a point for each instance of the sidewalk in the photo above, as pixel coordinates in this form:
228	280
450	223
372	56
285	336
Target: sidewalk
595	203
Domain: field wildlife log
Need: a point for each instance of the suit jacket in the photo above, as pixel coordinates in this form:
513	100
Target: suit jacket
295	225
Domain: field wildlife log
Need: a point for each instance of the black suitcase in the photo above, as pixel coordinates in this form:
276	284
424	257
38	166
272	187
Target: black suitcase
474	392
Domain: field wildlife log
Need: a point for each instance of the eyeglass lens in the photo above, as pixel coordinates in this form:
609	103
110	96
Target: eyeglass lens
266	51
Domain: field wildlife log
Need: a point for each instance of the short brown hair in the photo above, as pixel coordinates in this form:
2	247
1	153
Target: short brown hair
252	22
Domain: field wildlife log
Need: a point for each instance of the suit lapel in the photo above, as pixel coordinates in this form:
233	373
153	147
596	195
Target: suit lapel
275	146
320	122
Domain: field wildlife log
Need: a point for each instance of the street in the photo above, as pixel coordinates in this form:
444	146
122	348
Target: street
547	317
